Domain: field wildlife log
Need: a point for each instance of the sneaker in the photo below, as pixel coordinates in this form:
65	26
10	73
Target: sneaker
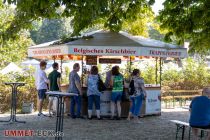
81	117
118	118
54	113
100	118
90	118
41	114
50	115
73	117
112	118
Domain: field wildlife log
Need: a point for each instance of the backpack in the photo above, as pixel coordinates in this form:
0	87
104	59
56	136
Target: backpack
131	89
101	86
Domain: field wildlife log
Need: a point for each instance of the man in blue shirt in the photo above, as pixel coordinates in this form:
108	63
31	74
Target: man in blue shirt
200	112
75	87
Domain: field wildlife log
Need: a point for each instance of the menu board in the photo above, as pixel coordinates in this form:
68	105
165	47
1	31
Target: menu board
109	61
91	60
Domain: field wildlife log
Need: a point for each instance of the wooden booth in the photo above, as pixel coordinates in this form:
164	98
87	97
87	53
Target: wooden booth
104	47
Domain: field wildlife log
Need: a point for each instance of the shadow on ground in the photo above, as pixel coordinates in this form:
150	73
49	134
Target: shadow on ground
151	128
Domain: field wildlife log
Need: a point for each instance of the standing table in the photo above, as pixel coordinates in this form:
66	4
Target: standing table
14	86
60	110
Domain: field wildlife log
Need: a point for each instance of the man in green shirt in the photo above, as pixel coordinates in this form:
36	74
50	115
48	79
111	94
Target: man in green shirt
54	84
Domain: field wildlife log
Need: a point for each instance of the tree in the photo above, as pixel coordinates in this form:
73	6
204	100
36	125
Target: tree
11	50
187	20
49	30
139	25
85	13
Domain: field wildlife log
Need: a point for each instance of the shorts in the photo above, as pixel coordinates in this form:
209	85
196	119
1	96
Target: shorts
41	93
202	127
116	96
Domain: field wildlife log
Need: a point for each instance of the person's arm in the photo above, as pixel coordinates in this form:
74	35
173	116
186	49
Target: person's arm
78	84
49	85
144	90
59	83
190	107
45	78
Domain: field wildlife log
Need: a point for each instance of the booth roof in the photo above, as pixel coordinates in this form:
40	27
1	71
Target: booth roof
106	43
107	38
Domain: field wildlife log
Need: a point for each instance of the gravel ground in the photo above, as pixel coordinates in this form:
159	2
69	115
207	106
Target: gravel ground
151	128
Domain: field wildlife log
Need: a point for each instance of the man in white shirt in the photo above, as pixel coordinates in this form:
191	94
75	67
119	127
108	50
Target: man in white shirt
41	85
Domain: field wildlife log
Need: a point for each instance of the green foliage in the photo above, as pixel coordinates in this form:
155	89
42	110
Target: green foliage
194	75
26	93
65	76
155	34
86	13
50	29
139	25
149	75
187	20
10	46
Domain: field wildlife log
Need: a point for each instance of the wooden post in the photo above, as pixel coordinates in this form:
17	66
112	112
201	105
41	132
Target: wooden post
61	67
82	71
160	71
156	70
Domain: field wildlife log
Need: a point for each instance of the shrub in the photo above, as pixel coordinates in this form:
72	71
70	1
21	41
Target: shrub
26	93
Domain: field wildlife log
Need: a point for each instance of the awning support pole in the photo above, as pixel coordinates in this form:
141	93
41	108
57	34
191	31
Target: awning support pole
82	70
156	70
54	59
130	65
61	67
160	72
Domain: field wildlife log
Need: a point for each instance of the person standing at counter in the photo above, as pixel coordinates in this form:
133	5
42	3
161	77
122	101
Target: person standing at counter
41	82
54	85
75	87
138	96
117	91
93	92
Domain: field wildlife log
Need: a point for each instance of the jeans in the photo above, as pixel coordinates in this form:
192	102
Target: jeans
75	100
116	96
93	99
136	104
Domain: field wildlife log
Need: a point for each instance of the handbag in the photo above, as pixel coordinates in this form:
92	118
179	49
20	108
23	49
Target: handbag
101	86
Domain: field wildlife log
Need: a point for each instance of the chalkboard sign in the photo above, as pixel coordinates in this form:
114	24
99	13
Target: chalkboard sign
109	61
91	60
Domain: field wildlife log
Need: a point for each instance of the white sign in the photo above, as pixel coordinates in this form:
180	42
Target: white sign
47	51
153	103
127	51
106	51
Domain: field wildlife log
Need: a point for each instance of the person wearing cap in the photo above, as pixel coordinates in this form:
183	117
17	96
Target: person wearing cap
41	82
200	113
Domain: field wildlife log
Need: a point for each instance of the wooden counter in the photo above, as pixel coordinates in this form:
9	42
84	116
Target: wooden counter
151	105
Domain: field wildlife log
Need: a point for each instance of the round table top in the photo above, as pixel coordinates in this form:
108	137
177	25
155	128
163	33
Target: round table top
12	83
58	93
